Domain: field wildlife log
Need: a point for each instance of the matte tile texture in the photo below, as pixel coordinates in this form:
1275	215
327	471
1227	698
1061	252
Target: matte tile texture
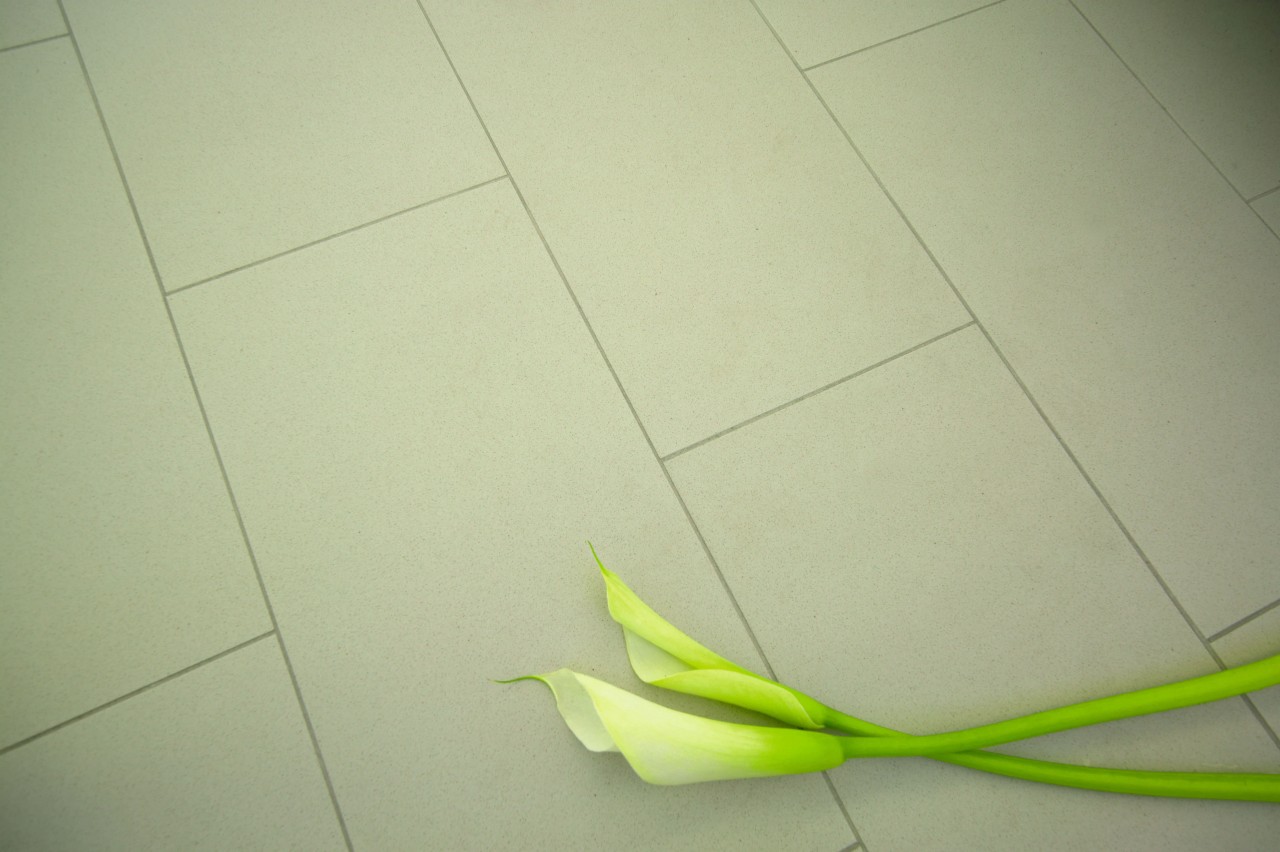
421	436
1215	66
274	124
1134	292
122	560
23	21
957	572
216	758
729	248
820	30
938	380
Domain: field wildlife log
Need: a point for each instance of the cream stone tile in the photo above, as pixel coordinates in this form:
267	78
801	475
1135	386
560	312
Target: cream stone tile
1214	65
247	129
726	244
23	21
915	548
1126	282
820	30
218	757
422	435
120	560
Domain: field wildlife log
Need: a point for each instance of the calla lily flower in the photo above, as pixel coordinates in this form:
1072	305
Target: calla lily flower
665	746
663	656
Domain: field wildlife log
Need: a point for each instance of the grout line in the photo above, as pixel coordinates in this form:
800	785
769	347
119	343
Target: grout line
857	843
1165	109
621	389
204	416
596	340
33	43
893	39
831	787
333	236
1205	641
1261	195
134	693
1106	504
863	371
1242	622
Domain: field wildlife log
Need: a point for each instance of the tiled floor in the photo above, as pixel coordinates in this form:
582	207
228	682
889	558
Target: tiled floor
928	349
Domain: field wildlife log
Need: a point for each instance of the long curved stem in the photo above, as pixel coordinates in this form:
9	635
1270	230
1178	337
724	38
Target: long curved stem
1245	787
1254	787
1171	696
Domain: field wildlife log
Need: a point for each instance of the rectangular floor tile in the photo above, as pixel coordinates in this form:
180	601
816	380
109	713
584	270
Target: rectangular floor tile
915	548
1126	282
121	560
820	30
247	129
1214	65
218	757
728	247
23	21
421	436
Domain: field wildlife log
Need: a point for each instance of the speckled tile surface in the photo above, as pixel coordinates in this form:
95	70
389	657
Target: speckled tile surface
921	353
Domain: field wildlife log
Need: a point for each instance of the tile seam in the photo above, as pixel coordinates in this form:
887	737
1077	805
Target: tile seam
335	235
618	381
1191	623
862	371
908	34
831	787
133	693
1088	479
1164	109
44	40
1231	628
159	281
1261	195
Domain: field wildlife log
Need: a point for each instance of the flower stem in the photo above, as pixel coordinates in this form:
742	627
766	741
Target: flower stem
1237	786
1245	787
1252	787
1171	696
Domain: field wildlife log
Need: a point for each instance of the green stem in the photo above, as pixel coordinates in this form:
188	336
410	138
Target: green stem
1237	786
1171	696
1245	787
1252	787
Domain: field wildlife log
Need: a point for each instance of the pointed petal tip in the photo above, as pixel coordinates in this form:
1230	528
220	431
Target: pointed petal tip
518	678
596	556
604	572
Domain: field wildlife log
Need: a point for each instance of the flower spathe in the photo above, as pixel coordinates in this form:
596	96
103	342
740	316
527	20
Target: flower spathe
666	746
662	655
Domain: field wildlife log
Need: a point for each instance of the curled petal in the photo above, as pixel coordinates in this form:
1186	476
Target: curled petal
635	615
665	746
728	686
664	656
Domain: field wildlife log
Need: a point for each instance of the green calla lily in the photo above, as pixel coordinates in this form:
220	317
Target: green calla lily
666	746
664	656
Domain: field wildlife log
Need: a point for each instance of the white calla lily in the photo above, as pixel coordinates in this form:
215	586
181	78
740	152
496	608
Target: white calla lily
665	746
664	656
